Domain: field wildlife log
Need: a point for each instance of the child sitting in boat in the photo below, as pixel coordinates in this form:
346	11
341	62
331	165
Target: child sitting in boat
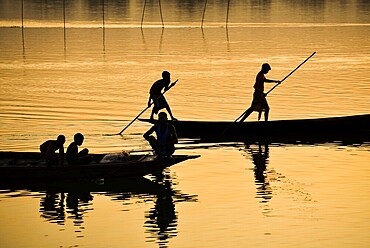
164	144
49	147
73	156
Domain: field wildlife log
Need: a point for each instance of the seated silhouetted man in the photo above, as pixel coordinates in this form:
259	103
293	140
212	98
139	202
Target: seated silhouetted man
48	149
73	156
164	144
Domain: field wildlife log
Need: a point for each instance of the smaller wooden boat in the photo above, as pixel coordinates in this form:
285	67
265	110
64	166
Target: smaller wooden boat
31	165
354	128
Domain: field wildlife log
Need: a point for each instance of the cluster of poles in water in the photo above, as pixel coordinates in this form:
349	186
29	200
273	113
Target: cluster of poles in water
203	14
105	2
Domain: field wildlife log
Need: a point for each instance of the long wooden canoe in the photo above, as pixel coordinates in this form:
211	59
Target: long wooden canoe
354	128
30	165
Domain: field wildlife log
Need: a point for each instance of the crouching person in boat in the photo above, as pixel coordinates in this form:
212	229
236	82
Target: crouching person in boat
73	156
164	144
48	149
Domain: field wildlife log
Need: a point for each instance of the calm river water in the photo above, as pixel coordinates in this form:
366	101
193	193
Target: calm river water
81	66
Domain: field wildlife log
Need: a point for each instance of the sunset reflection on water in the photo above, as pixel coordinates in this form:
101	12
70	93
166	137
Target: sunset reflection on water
93	77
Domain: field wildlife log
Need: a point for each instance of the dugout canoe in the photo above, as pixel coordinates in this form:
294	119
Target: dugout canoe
353	129
31	165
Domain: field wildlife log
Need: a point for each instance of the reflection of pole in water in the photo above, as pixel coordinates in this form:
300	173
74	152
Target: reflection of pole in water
204	40
227	39
143	38
160	41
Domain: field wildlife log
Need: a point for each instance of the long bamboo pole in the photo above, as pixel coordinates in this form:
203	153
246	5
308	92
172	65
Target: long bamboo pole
227	128
173	84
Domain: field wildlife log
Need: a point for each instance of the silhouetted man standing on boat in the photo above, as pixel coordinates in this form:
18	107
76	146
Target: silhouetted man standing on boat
164	144
259	102
157	96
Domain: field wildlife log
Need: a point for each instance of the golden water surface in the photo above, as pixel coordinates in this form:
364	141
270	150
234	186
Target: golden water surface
91	73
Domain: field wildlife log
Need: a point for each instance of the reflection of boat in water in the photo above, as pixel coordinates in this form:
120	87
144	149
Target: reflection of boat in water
354	128
61	200
139	185
31	165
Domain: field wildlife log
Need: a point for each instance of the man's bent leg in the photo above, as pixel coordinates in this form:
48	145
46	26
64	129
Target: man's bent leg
153	143
170	112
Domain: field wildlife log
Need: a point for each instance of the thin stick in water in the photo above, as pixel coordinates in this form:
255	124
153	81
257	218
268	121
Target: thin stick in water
142	16
160	10
22	10
64	25
103	10
204	11
227	13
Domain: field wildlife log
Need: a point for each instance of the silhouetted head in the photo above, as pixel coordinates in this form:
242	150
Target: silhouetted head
166	75
266	67
78	138
162	117
61	139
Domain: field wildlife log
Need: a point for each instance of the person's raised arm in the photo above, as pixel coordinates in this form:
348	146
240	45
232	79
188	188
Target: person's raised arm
166	86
